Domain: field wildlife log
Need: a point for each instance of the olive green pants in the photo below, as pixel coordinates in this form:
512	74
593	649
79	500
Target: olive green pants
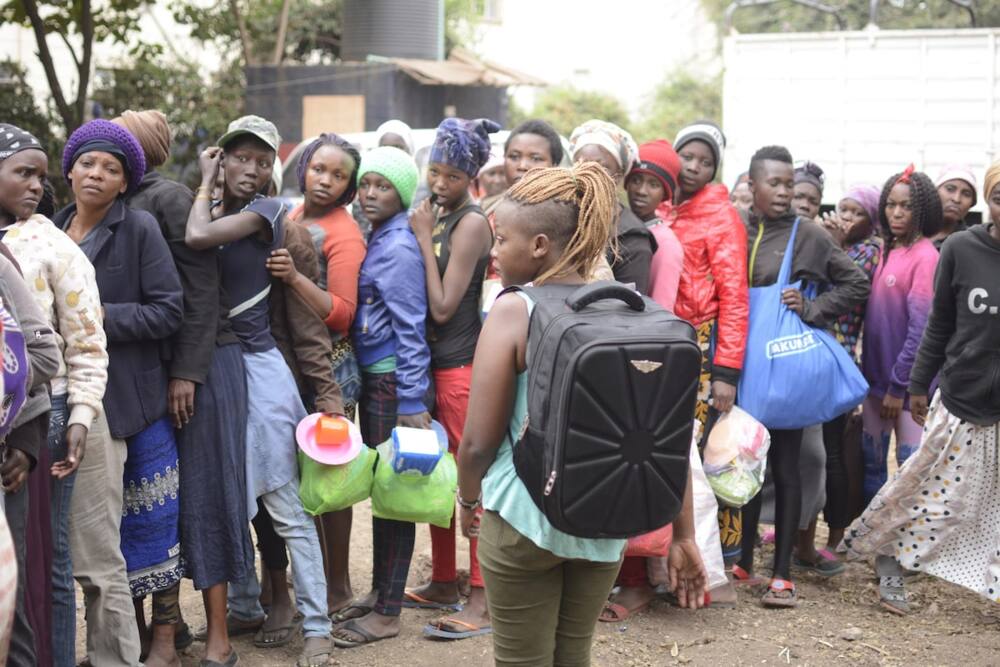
543	607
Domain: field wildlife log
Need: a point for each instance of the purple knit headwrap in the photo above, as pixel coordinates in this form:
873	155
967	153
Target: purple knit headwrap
463	144
105	130
330	139
867	196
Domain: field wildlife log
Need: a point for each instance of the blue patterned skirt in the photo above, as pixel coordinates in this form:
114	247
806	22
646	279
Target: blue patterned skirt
150	511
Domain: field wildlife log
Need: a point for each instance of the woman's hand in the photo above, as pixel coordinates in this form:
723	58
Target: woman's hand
209	161
14	470
180	401
836	227
793	299
420	420
918	408
891	406
469	521
688	579
723	395
422	221
282	266
76	446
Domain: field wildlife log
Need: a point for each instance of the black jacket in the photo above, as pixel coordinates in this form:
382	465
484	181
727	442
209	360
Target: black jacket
962	337
189	352
841	285
636	246
143	305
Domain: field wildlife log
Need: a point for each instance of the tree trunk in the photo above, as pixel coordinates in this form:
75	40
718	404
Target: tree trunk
279	44
245	39
71	116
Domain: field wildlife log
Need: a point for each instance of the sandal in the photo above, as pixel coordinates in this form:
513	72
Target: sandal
231	661
615	613
780	595
350	612
353	627
743	578
824	567
283	635
892	595
437	629
413	600
235	627
316	652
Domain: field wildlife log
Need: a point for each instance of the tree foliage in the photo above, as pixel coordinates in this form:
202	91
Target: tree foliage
681	98
788	16
565	107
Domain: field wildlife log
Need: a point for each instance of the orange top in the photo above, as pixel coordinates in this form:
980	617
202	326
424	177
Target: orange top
341	250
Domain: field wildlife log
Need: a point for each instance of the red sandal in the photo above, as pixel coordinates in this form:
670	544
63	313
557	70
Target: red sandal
780	594
743	578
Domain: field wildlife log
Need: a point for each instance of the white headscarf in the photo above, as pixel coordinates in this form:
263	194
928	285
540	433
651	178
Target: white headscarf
396	127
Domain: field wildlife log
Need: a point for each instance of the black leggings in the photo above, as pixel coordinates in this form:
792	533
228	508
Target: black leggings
837	511
271	545
784	459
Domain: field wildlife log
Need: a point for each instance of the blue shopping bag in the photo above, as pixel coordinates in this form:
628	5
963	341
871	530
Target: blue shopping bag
794	375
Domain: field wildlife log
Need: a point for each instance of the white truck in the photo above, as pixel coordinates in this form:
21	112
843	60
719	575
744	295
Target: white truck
864	104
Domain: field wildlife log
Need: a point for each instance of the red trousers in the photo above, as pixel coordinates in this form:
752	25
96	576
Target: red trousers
451	387
633	573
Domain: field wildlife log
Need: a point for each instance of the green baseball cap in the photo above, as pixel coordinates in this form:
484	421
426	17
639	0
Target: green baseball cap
256	126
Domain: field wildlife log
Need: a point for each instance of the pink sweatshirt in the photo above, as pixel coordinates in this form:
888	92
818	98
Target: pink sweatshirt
665	269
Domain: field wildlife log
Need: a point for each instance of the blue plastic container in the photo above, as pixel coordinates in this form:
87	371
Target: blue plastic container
417	451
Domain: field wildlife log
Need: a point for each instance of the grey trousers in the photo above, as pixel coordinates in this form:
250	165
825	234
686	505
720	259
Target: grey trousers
812	471
95	542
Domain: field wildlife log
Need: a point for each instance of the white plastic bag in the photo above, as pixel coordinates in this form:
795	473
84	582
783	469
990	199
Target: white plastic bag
736	457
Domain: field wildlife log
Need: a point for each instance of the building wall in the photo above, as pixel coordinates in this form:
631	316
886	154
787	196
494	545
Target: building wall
276	93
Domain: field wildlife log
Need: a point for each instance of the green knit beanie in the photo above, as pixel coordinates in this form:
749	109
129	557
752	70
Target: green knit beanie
394	165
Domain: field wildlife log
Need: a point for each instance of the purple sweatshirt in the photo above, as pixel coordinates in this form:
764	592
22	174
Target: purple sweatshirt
898	307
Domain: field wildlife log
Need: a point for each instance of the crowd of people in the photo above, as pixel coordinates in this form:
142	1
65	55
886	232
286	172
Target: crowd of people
161	346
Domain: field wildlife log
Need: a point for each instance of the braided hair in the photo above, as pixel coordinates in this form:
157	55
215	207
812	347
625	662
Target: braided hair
925	204
577	209
331	139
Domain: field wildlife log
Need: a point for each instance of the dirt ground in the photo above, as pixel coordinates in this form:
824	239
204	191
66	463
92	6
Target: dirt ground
949	626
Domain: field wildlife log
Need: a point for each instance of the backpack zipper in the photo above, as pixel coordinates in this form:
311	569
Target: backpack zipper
549	484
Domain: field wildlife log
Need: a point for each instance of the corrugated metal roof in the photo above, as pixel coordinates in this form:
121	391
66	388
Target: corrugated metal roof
462	69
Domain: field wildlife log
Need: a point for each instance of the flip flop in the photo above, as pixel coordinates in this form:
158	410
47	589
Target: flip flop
352	626
615	613
824	567
343	615
308	656
436	629
892	595
231	661
743	578
413	600
775	597
285	634
234	627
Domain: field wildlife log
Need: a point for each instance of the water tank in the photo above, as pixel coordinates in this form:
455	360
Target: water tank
393	28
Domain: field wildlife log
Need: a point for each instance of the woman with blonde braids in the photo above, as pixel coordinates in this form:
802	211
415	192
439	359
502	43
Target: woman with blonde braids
545	587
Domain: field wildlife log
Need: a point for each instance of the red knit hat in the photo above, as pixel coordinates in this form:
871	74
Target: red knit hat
659	159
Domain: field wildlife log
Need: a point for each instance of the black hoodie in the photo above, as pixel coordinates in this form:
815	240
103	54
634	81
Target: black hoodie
962	338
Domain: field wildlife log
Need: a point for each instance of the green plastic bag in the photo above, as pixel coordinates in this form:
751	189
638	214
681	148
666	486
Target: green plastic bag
324	488
414	498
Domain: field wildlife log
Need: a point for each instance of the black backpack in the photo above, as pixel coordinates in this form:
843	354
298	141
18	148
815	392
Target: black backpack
612	385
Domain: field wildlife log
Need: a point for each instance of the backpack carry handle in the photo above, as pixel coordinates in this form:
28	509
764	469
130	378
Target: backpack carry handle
605	289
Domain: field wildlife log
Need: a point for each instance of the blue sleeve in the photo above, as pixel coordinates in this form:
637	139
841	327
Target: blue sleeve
160	309
403	287
273	212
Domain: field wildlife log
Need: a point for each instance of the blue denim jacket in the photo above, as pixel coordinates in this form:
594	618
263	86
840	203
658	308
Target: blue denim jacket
392	311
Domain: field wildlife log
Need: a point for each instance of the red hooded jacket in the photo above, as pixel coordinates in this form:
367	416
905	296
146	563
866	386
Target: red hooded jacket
714	276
